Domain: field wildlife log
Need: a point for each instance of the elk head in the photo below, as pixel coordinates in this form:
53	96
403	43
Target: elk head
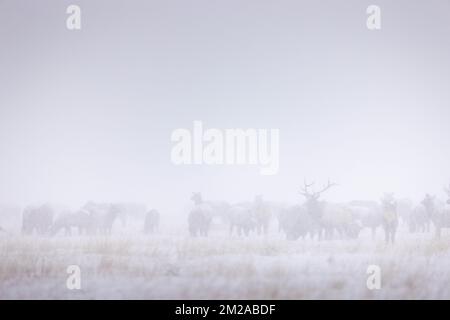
197	198
314	195
313	206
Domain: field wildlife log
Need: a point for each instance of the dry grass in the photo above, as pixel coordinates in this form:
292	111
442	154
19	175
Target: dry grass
178	267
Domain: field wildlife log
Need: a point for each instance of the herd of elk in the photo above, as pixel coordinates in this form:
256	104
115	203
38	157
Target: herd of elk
321	219
315	217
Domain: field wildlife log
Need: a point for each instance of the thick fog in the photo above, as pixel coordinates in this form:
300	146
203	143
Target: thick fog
87	115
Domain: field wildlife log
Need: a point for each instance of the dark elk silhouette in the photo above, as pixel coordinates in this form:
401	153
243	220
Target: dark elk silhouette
326	219
367	214
102	217
241	219
314	206
390	217
296	222
200	217
151	223
420	217
262	215
316	209
301	220
37	220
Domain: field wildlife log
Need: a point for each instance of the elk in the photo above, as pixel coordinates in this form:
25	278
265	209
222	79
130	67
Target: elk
37	219
328	217
440	216
248	216
262	215
367	214
296	222
199	219
241	219
67	221
420	217
315	207
390	217
102	216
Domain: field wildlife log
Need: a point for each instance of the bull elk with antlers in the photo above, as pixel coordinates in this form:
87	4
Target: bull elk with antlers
329	217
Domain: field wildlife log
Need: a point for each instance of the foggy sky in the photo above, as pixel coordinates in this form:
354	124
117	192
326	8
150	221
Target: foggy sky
88	114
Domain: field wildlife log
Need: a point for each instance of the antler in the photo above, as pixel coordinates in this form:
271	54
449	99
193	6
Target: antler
304	191
328	186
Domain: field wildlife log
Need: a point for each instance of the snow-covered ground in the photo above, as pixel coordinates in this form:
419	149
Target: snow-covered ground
176	266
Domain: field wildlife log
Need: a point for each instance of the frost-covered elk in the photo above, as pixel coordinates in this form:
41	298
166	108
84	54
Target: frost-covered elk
241	219
37	220
420	218
390	217
367	214
151	222
317	217
200	217
199	222
102	216
339	218
66	221
246	217
316	208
